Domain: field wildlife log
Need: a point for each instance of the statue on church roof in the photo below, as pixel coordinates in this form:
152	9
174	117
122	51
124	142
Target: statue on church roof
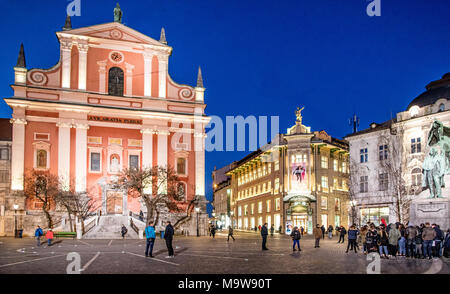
118	14
298	113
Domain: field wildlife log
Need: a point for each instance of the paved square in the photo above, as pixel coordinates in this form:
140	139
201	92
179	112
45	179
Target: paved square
202	255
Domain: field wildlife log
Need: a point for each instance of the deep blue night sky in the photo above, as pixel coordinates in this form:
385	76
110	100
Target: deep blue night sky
265	57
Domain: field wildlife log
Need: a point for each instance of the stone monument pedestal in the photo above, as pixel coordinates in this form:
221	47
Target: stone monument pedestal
435	210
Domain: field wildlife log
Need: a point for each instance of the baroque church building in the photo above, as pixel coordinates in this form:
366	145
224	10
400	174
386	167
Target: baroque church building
107	105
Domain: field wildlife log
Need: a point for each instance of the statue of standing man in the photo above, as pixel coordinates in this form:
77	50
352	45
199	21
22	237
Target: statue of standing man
433	170
117	14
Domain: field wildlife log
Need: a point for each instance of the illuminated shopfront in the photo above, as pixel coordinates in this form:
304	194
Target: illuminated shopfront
374	215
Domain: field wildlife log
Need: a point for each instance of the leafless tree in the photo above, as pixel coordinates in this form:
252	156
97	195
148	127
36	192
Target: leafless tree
393	166
42	186
167	193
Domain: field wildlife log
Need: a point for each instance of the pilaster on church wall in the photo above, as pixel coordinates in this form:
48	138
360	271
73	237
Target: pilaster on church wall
74	97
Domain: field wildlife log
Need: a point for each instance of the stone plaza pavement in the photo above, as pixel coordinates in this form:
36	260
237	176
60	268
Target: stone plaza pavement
201	255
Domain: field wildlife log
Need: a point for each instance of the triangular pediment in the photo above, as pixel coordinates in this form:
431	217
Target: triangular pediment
114	31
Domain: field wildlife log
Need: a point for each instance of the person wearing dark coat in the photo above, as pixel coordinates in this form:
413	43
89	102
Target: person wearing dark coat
168	236
213	231
123	231
352	236
323	231
447	244
230	233
264	233
342	233
296	236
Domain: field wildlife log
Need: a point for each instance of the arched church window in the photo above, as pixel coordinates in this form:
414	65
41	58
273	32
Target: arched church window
115	81
41	159
416	177
441	107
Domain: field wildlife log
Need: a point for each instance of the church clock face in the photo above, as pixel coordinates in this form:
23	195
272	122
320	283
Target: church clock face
116	57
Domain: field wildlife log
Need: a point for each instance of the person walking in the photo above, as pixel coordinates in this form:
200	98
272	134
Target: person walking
342	233
394	236
123	231
330	232
151	236
352	235
411	235
272	229
302	230
296	236
428	235
168	236
49	236
38	233
213	231
279	230
323	231
317	235
264	234
230	233
383	242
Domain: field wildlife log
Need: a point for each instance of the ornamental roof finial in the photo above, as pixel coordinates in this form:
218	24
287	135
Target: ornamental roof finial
199	78
68	24
162	39
21	59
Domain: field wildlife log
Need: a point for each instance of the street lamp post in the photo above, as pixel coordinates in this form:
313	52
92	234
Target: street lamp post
197	210
15	206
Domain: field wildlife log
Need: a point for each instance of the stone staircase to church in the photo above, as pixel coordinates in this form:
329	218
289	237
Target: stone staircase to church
109	227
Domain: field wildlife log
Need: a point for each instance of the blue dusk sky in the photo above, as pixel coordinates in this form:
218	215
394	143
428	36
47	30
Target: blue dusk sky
265	58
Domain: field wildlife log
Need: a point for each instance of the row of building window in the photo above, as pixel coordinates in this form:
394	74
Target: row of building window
259	189
256	172
260	207
383	151
383	181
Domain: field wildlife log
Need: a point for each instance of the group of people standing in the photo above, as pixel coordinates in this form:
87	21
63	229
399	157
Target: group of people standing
424	241
150	235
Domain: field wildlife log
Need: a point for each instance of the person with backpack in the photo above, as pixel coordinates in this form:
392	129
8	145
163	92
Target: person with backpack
352	236
342	233
151	236
296	236
38	233
123	231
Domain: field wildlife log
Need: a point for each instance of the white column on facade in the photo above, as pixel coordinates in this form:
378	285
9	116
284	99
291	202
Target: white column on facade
162	66
162	153
64	154
129	79
147	74
81	157
199	149
82	64
66	60
18	153
102	76
147	153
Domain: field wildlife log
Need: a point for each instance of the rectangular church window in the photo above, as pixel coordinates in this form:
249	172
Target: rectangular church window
134	161
95	161
181	166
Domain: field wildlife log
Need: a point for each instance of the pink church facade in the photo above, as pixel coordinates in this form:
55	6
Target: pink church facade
108	104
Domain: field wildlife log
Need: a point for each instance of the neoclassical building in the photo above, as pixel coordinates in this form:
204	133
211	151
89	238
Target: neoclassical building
386	159
109	103
299	179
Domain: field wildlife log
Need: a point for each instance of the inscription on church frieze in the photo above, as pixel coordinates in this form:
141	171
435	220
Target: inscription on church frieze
115	119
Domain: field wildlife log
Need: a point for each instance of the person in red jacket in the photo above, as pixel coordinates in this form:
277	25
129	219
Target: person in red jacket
49	236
